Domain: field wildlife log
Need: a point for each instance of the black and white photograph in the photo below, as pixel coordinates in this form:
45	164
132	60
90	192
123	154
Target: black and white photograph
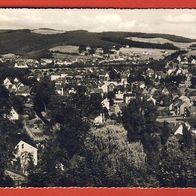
97	98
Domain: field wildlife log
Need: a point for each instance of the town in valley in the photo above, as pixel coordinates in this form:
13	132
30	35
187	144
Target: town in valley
83	109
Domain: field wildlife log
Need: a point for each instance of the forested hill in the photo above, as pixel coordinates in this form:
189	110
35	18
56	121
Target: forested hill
170	37
26	41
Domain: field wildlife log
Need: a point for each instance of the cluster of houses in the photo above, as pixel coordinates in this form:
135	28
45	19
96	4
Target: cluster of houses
85	57
17	87
115	94
97	80
25	154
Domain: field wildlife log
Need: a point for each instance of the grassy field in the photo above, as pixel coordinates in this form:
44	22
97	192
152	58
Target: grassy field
65	49
46	31
146	53
191	53
161	41
66	56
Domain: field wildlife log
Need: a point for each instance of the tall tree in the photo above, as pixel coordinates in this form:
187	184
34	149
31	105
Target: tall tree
113	160
42	91
177	168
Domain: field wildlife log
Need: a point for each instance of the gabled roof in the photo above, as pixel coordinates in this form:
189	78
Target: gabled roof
26	144
24	89
192	110
192	93
121	105
97	91
145	91
152	90
178	129
179	103
165	90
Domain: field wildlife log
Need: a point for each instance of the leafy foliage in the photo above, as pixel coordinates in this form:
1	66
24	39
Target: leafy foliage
115	161
177	168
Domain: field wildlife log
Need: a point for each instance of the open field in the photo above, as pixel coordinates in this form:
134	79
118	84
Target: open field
65	49
157	40
47	31
191	53
70	57
146	53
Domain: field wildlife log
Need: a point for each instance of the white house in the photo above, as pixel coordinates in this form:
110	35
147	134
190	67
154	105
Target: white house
186	100
13	115
45	62
63	75
119	97
179	59
16	80
170	71
7	83
60	90
26	153
72	91
99	51
99	120
104	87
124	82
179	128
142	85
55	77
193	62
105	103
88	48
165	91
67	63
152	100
20	65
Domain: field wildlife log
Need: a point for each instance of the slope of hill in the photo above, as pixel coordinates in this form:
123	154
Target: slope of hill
161	41
170	37
24	41
140	44
27	42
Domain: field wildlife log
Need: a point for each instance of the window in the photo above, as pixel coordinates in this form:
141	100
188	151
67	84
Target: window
22	146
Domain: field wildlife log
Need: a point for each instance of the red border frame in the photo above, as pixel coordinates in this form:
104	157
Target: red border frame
100	3
97	4
96	192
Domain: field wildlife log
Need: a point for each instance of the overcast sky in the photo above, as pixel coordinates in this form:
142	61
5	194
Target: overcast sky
179	22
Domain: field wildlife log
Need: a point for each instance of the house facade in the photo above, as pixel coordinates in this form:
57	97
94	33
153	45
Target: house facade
26	153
